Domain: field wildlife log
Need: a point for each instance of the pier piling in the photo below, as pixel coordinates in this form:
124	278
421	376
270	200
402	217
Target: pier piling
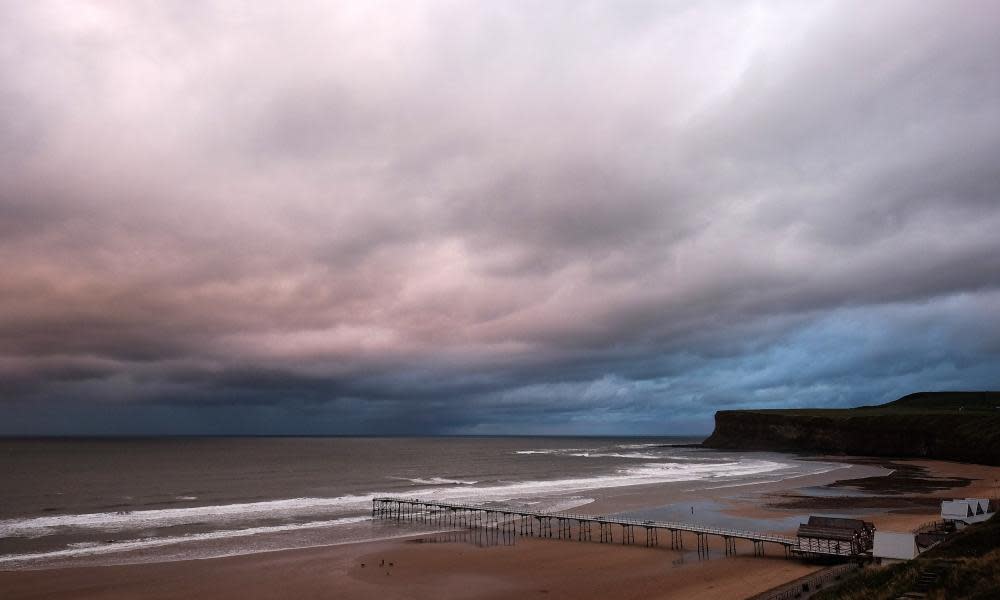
505	524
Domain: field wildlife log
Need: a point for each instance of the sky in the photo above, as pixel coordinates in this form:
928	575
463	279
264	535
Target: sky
491	217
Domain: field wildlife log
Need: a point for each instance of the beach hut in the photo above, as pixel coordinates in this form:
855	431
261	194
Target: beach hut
893	546
966	511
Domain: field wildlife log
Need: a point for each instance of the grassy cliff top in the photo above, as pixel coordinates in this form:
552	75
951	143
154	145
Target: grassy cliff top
921	403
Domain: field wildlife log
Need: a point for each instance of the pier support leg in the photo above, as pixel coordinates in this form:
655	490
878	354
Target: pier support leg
628	534
702	544
565	530
676	539
545	527
509	530
503	525
730	545
606	537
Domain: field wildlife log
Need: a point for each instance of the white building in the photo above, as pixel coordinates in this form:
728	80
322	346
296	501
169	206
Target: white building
967	511
891	545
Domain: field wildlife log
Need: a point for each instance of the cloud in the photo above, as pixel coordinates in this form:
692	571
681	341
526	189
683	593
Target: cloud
607	218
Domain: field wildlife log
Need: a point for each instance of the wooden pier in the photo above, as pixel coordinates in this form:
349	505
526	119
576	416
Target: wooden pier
506	522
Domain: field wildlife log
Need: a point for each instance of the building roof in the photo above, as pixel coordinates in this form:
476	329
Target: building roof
836	528
827	533
836	522
839	523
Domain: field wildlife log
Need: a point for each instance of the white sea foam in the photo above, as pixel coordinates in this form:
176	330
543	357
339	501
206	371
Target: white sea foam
91	548
659	472
641	455
83	544
237	515
566	504
142	519
673	471
596	452
441	481
832	467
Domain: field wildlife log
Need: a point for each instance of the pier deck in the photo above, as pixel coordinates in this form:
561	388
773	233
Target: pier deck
511	520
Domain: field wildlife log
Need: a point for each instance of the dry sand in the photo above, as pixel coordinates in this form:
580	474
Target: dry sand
532	568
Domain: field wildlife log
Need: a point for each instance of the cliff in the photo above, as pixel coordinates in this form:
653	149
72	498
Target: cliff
962	426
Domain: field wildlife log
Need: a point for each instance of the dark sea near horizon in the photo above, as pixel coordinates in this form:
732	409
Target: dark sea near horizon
117	500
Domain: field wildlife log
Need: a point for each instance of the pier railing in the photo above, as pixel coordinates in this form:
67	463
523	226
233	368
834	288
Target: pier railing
456	513
719	531
809	584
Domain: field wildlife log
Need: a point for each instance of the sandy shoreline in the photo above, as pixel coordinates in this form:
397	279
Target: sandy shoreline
420	568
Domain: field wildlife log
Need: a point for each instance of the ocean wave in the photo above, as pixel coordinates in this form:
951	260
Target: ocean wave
314	508
565	504
829	467
639	455
686	471
440	481
92	548
143	519
648	473
596	452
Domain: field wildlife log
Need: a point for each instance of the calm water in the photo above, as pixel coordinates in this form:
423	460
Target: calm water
104	501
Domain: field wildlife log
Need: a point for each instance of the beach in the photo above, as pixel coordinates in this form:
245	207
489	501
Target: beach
539	568
452	566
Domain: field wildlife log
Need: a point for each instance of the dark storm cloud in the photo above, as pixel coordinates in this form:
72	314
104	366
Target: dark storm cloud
611	217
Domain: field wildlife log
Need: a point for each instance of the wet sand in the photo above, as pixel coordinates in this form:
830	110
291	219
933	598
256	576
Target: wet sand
419	568
911	496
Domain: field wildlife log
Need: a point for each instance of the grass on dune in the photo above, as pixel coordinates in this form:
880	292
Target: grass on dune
969	565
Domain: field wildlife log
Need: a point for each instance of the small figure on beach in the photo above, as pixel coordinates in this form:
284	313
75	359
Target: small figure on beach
692	510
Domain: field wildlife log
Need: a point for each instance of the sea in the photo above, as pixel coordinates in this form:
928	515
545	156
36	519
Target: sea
80	502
